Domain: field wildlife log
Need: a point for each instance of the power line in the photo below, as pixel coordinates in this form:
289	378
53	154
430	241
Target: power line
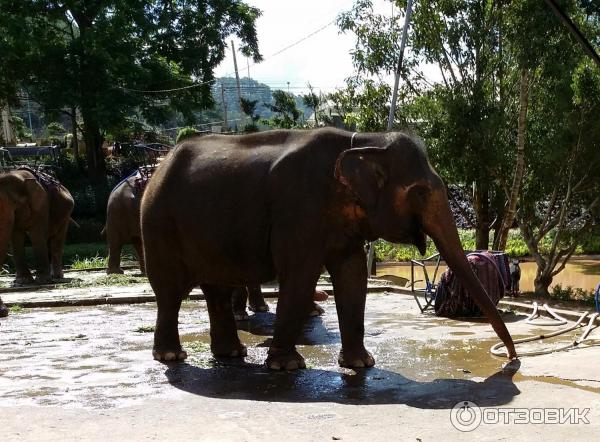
162	91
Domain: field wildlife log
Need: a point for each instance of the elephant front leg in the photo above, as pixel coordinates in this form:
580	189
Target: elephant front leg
23	275
349	277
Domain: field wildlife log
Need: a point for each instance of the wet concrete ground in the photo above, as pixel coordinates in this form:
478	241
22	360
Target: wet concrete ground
87	373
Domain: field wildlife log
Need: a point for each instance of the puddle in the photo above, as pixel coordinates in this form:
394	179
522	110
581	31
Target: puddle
95	357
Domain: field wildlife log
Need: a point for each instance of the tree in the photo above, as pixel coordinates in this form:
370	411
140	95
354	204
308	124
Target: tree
311	101
284	105
461	117
96	57
249	108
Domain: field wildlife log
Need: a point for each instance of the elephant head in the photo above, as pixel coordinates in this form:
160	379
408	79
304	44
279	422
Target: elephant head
404	199
11	196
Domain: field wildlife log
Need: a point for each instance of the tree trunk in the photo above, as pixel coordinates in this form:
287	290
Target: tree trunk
482	215
93	148
542	282
509	217
75	141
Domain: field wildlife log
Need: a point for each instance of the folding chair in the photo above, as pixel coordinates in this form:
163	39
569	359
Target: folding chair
425	296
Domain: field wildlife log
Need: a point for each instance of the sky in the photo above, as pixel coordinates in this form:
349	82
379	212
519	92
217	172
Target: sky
323	60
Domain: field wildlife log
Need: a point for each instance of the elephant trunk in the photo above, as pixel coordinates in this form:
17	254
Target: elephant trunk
439	224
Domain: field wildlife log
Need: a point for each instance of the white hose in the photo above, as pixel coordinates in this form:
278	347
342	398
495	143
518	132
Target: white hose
559	320
496	348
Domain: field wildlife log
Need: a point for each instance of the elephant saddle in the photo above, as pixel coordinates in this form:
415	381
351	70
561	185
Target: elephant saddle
47	181
453	301
142	177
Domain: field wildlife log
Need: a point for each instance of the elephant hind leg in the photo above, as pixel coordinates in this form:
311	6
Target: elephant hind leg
139	250
239	298
56	248
256	299
224	340
170	284
114	256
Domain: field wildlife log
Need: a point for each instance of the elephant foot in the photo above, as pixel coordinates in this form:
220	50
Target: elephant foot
43	279
3	310
317	310
240	316
261	308
359	358
21	281
117	271
234	350
169	355
320	296
279	360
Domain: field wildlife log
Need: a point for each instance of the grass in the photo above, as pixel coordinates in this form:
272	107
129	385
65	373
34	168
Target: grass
515	247
108	280
16	308
80	256
145	329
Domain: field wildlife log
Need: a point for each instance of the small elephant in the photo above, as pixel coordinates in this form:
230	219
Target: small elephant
34	203
224	211
123	221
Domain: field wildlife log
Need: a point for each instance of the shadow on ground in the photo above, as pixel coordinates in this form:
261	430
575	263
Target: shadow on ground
240	380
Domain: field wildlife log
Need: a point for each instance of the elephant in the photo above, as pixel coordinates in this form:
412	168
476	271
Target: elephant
123	227
123	222
33	203
231	210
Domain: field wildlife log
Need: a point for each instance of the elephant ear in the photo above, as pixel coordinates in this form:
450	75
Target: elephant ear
363	170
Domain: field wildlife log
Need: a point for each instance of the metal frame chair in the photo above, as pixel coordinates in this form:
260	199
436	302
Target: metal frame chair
428	291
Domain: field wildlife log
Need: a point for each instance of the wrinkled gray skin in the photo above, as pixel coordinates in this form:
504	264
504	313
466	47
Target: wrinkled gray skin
283	204
123	224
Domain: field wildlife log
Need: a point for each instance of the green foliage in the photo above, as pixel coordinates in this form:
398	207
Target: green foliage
145	329
186	132
15	309
21	131
108	280
98	56
385	251
286	112
569	293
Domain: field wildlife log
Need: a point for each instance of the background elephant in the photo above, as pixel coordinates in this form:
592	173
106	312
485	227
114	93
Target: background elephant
123	222
35	204
123	227
225	211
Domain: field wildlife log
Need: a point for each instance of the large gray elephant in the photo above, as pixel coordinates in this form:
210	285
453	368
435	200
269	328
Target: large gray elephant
35	204
225	211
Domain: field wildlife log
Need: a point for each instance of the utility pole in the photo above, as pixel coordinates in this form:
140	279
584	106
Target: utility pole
248	66
7	132
371	255
225	123
237	80
399	67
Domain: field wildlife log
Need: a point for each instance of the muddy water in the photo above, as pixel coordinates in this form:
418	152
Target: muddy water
584	274
99	357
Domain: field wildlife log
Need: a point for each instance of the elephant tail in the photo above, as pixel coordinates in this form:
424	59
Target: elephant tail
72	221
